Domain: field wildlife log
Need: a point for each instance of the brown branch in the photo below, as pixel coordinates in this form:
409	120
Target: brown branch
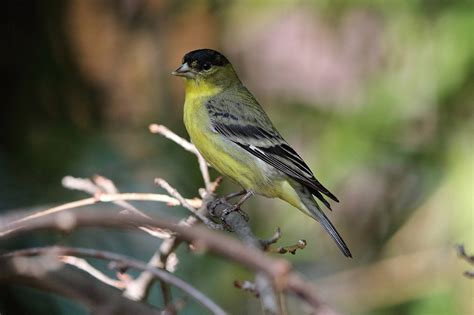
272	274
83	265
272	240
288	249
138	289
188	146
276	269
123	261
72	283
237	222
248	286
269	300
173	192
101	198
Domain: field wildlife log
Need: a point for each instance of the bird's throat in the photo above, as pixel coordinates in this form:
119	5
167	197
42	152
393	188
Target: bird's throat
201	88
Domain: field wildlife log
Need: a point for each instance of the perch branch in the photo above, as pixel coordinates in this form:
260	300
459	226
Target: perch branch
173	192
278	270
138	289
238	223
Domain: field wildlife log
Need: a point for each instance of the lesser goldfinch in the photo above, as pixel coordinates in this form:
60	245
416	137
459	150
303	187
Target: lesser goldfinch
234	134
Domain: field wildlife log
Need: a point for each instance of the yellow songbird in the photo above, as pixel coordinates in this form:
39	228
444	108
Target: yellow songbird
234	134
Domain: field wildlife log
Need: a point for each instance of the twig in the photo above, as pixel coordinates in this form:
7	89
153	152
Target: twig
164	131
138	288
69	282
83	265
188	146
238	223
289	249
124	261
248	286
220	244
173	192
278	270
272	240
101	198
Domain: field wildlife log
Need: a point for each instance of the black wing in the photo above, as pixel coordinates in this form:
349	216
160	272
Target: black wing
260	138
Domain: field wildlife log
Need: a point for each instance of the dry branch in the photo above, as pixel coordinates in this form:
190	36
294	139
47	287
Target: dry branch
273	275
126	262
278	270
72	283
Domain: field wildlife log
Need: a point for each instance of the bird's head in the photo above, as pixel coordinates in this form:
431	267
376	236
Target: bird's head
206	66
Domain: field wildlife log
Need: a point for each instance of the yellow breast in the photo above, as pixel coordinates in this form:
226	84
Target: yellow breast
225	156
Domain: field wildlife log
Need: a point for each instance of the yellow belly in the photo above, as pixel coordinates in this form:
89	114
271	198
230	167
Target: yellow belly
225	156
231	160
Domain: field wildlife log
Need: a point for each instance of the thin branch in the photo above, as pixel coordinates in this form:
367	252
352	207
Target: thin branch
164	131
203	238
238	223
272	240
124	261
276	269
139	288
101	185
83	265
248	286
173	192
70	282
289	249
188	146
170	201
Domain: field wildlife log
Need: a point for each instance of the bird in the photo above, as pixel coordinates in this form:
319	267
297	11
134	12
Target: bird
235	136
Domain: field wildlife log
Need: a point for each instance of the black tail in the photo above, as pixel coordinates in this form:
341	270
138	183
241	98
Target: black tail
316	213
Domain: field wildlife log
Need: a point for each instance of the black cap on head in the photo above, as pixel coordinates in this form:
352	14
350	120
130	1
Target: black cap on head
202	58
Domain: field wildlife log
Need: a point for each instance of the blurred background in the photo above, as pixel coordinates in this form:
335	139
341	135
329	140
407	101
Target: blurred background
376	96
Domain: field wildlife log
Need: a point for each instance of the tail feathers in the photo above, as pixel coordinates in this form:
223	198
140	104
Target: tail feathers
316	213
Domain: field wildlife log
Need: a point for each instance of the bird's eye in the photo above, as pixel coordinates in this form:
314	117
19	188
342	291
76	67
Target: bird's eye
206	66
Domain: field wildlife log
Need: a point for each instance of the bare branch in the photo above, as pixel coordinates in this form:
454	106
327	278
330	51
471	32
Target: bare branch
173	192
272	240
188	146
238	223
272	275
164	131
277	270
124	261
72	283
289	249
83	265
248	286
202	238
102	198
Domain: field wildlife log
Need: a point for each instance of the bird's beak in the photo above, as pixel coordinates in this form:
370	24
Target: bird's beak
184	71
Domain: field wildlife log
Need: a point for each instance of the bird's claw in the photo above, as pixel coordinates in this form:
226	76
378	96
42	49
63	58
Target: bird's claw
229	210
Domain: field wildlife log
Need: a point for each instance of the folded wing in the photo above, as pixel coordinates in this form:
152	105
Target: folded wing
254	132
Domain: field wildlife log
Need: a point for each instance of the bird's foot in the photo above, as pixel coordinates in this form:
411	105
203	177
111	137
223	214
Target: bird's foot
234	208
